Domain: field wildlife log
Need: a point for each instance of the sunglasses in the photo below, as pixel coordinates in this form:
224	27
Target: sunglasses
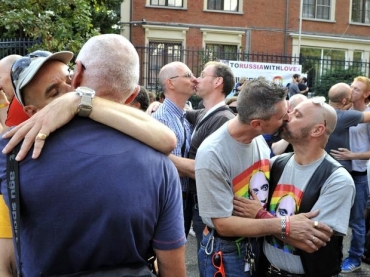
218	263
186	75
320	100
21	64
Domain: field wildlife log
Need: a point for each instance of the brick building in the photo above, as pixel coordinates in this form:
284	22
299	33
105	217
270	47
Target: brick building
333	29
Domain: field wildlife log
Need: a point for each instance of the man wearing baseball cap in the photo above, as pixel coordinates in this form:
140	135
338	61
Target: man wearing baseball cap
54	70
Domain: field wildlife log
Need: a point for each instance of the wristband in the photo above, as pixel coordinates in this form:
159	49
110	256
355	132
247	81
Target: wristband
283	227
4	105
263	214
287	230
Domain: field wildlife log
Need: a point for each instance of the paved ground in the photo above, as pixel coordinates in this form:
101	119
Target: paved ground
192	265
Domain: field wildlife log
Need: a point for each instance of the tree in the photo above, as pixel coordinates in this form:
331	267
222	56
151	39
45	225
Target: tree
58	24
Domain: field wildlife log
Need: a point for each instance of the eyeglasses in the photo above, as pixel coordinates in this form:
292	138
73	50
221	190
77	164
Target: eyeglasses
203	75
21	64
218	263
186	75
320	100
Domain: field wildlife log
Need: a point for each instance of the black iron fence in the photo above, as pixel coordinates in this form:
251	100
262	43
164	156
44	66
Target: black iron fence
16	46
321	72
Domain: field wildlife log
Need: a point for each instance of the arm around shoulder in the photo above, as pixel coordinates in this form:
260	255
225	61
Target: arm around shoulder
134	123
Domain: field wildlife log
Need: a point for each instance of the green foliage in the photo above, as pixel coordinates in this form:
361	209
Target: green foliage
59	24
336	76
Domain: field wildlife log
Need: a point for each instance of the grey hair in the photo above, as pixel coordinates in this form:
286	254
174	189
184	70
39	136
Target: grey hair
257	100
112	66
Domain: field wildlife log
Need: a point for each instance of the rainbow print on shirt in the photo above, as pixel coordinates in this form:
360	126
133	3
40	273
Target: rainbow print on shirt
255	177
286	200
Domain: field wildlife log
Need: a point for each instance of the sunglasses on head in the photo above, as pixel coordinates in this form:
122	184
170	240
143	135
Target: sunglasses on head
21	64
318	100
218	263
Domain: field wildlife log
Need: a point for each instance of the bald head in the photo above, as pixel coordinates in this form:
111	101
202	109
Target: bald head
320	112
170	70
338	93
5	80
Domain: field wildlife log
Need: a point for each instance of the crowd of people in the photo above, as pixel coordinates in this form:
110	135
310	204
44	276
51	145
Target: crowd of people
99	179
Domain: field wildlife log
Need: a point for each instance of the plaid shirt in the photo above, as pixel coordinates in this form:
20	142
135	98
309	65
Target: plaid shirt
175	119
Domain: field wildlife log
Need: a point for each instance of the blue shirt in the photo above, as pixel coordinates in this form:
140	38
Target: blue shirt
175	119
95	198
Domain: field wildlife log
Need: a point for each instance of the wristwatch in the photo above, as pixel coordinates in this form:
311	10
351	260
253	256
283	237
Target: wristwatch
85	106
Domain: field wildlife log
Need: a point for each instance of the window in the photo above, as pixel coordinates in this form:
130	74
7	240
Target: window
161	53
360	11
167	3
318	9
215	52
223	5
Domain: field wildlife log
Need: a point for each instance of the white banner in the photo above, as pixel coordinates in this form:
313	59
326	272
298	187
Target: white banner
278	73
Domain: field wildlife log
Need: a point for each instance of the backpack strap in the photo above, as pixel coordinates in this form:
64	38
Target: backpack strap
203	120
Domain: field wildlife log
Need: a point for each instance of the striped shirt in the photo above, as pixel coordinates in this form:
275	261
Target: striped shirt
175	119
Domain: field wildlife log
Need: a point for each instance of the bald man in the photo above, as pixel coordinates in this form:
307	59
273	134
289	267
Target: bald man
308	130
340	96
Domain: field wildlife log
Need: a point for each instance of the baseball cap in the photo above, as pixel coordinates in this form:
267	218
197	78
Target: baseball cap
25	68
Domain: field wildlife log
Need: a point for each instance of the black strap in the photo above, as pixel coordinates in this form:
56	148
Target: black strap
14	201
222	108
276	171
183	147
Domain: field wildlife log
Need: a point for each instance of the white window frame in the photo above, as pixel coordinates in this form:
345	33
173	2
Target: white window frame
185	5
331	13
240	5
355	22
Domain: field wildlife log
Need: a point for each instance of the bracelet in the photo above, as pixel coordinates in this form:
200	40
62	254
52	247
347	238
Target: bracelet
283	227
287	231
4	105
263	214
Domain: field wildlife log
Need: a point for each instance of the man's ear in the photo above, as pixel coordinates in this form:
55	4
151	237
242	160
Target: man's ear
133	95
256	124
77	74
318	130
30	110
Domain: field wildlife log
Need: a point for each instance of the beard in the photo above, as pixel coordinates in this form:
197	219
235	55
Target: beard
290	136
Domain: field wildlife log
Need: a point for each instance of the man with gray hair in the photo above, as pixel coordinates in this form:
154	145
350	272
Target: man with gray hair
86	220
224	166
